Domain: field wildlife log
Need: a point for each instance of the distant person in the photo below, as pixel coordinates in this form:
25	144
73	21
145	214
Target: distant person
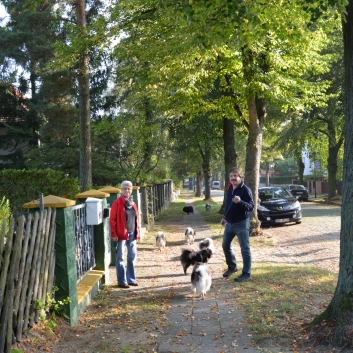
124	226
236	219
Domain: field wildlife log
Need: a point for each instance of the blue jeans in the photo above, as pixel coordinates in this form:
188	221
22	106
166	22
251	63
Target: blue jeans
241	230
128	276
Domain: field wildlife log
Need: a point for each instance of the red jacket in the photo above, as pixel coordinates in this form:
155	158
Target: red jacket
118	220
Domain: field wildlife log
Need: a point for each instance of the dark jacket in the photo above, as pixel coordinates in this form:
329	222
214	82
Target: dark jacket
236	212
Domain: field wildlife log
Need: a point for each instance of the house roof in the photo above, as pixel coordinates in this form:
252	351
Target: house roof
18	96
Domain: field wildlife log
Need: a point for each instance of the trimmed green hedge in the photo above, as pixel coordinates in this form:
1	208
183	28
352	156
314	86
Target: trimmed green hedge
22	186
278	180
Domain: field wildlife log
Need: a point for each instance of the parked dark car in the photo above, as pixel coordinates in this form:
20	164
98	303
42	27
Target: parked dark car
299	191
278	206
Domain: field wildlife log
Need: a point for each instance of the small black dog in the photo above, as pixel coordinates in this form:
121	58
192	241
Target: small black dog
189	257
208	207
188	209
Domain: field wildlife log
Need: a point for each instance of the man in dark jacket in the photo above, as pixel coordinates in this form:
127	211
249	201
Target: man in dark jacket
236	219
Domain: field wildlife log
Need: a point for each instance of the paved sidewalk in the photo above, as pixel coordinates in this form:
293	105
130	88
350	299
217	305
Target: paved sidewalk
213	325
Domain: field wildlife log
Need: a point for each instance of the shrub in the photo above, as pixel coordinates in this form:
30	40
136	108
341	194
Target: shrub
21	186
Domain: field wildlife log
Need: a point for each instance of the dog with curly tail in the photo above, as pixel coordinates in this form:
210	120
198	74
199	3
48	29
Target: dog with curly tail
207	243
201	279
160	240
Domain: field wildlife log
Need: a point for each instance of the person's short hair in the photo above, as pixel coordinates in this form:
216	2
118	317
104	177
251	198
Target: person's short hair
125	182
235	170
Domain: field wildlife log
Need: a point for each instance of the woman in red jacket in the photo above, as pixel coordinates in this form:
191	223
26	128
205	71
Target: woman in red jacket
124	227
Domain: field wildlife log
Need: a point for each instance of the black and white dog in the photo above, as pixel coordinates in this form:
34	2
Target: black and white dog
188	209
189	257
201	279
161	240
189	236
207	243
208	207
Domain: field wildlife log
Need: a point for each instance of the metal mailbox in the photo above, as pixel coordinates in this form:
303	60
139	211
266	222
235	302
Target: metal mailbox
94	211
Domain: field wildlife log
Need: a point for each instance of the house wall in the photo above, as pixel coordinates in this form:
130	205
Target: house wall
308	167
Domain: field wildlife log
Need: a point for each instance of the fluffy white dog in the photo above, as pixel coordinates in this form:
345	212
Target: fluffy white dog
189	236
161	240
201	279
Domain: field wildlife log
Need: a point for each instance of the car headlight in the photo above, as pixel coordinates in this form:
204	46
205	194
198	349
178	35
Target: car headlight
262	209
296	205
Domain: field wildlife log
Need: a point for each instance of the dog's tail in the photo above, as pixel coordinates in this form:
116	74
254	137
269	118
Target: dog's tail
196	277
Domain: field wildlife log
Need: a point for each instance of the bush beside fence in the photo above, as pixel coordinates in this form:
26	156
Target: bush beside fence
22	186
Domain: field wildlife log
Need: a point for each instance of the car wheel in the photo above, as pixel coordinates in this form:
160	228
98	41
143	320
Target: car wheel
298	222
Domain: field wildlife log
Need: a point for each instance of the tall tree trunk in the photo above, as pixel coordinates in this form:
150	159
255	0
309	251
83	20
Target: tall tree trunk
267	173
198	183
84	104
340	310
206	169
332	165
32	79
230	155
332	168
257	114
301	167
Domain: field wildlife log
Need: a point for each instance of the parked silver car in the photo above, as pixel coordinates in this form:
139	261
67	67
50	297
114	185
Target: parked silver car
216	185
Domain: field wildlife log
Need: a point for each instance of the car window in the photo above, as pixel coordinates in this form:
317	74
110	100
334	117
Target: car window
273	193
299	187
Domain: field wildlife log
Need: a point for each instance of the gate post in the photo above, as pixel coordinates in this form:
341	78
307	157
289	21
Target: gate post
137	199
65	263
144	205
101	235
65	258
114	194
150	204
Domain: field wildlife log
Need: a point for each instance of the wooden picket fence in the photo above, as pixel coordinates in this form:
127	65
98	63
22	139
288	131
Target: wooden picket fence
27	262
